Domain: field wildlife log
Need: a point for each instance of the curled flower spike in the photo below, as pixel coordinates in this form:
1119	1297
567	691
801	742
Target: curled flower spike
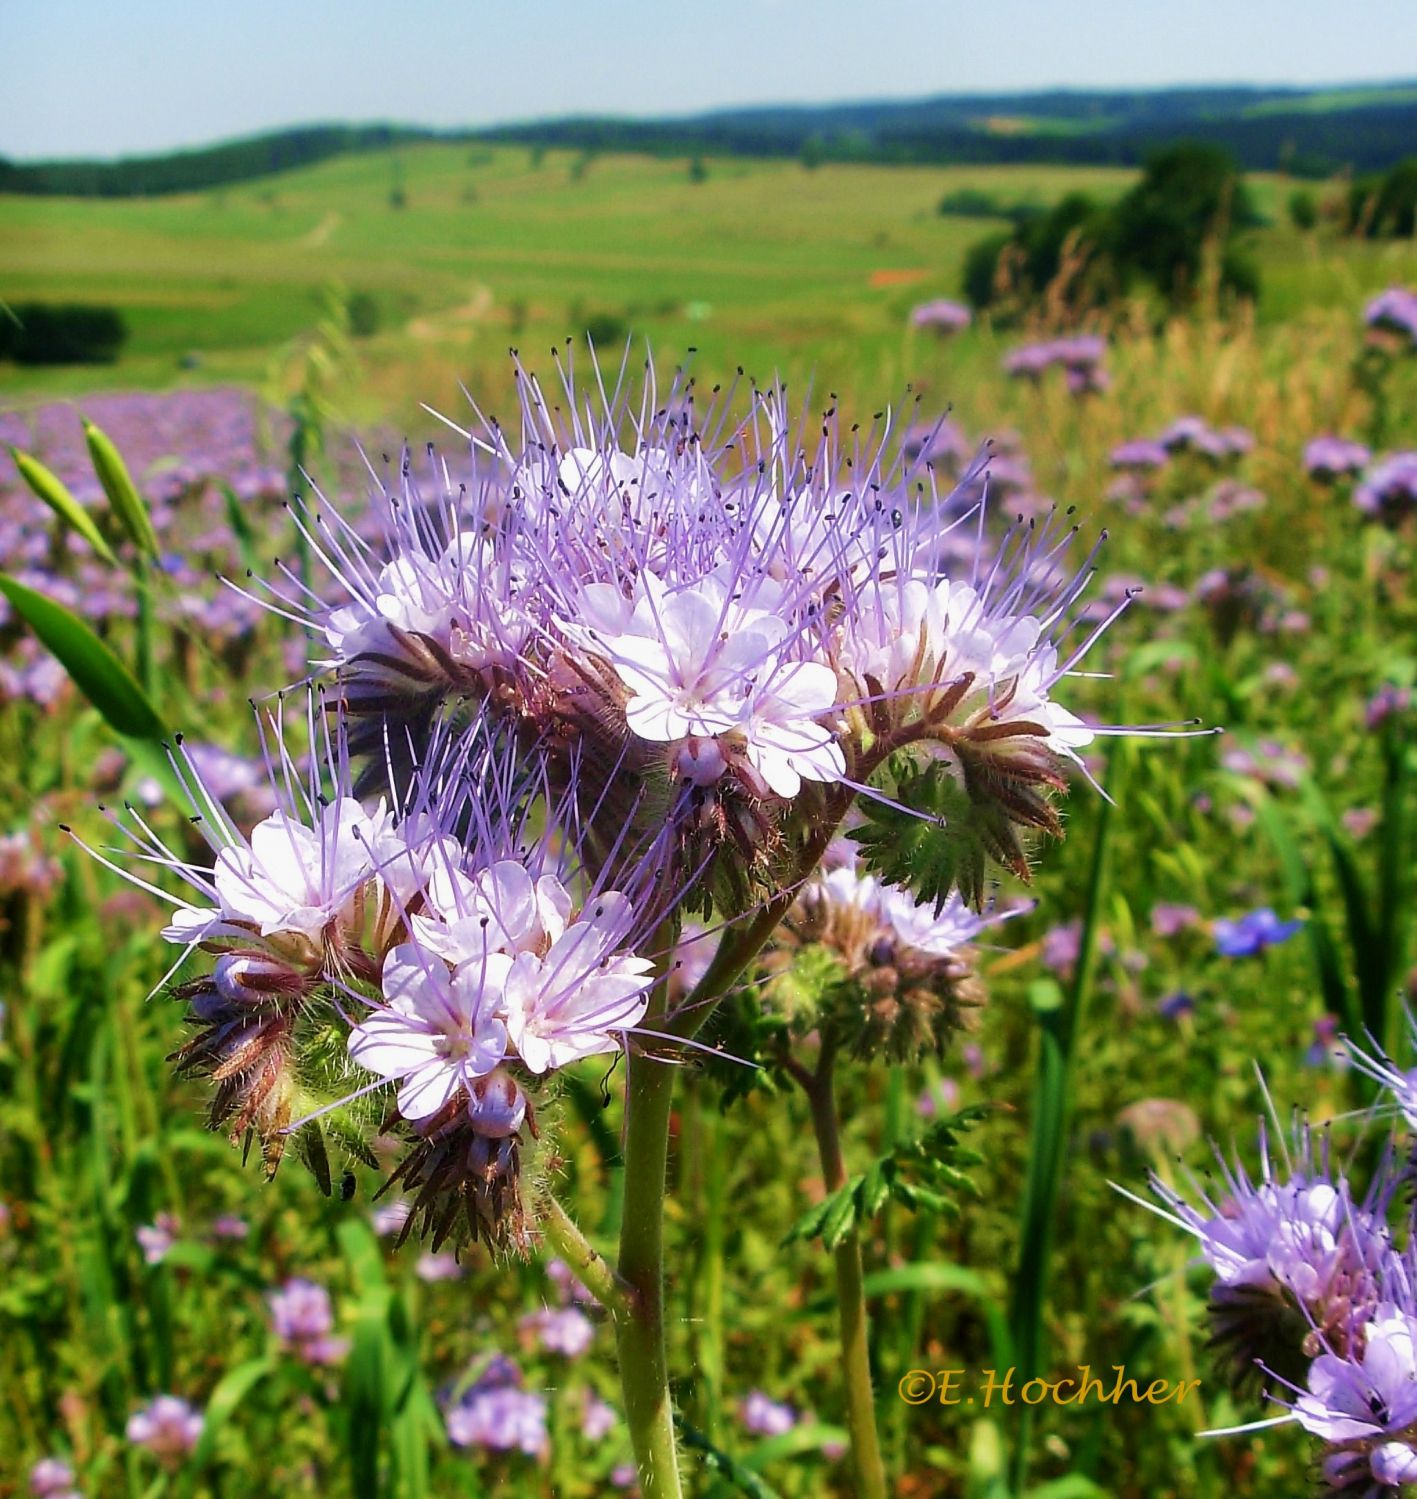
742	617
907	971
1296	1258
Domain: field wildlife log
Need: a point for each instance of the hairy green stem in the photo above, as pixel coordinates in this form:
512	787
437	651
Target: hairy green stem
850	1293
649	1091
583	1261
644	1370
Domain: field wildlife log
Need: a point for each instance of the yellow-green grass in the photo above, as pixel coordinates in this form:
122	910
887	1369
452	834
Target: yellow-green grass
765	263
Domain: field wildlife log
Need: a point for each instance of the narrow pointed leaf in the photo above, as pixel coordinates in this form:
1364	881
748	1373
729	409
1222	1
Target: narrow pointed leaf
96	671
48	487
225	1400
123	496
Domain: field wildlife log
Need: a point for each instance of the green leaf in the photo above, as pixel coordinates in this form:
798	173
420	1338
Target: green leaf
840	1217
223	1402
809	1437
54	494
96	671
719	1463
922	1174
241	529
935	1276
948	838
123	497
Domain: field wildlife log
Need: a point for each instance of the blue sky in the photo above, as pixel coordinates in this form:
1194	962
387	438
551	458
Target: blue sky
90	77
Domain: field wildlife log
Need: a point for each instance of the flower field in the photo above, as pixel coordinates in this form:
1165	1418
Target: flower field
755	900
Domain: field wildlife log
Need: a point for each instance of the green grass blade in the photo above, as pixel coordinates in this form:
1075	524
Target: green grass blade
1058	1028
931	1276
123	497
96	671
224	1401
48	488
718	1462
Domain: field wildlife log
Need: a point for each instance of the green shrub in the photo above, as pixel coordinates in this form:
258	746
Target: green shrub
44	333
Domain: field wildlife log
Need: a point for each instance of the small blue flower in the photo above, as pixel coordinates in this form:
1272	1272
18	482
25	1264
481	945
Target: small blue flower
1252	933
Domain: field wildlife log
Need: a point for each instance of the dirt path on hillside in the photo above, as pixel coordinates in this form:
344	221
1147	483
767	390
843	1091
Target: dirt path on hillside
454	319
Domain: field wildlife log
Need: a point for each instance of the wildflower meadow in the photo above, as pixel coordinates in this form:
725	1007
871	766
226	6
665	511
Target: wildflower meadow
683	865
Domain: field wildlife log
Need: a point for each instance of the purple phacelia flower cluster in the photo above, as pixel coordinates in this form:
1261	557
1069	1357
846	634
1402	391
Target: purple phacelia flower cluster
764	1417
1139	453
168	1427
184	447
1394	312
1329	457
1315	1297
1388	491
941	316
303	1320
53	1478
636	662
1082	358
497	1414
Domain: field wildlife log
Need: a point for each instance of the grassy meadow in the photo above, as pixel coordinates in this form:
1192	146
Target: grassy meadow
1272	607
763	264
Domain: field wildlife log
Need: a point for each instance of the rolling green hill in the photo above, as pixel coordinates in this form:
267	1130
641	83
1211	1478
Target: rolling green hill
1315	131
764	263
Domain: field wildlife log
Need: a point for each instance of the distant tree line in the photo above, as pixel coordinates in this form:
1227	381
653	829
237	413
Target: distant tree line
1298	131
212	166
1078	254
1304	142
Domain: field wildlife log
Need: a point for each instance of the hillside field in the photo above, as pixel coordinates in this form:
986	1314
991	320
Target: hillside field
764	264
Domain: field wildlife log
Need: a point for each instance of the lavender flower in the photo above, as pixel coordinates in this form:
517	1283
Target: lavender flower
1329	457
500	1419
1388	491
168	1427
1252	933
303	1320
764	1417
52	1478
941	316
562	1330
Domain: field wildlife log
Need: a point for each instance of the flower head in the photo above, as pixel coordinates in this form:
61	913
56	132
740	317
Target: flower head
1250	934
1328	457
303	1320
1295	1257
764	1417
52	1478
1388	491
168	1427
